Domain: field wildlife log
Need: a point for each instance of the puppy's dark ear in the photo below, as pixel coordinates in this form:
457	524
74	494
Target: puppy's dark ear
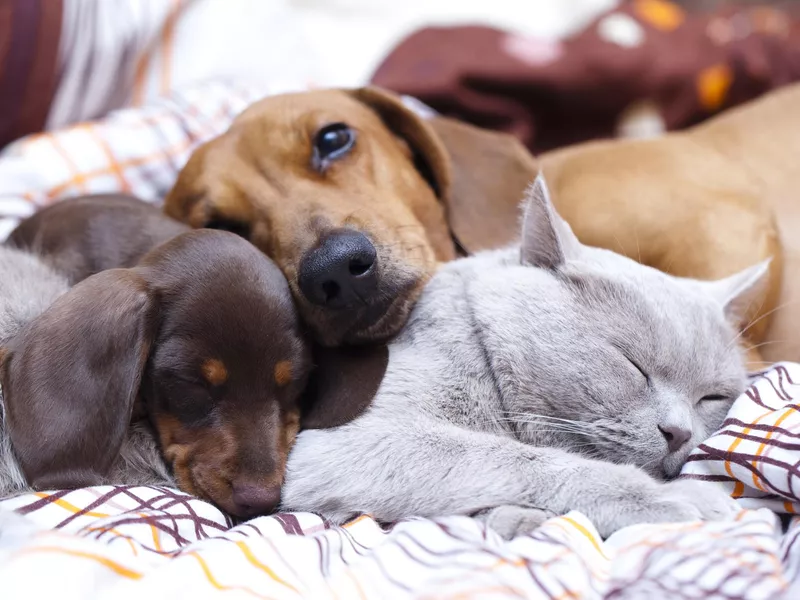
480	175
490	173
72	376
343	384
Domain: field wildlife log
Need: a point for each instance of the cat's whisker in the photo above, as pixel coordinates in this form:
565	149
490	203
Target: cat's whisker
542	424
757	320
767	343
667	268
765	315
538	416
621	247
536	420
551	428
560	431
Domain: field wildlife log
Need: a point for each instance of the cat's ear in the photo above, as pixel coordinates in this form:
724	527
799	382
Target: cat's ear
547	240
740	293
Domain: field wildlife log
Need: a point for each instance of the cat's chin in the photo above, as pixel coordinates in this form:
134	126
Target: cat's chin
669	468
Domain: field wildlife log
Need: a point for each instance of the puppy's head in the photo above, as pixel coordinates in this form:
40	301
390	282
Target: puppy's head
342	190
204	334
226	370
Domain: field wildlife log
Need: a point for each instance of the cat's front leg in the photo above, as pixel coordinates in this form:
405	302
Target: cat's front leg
684	500
395	466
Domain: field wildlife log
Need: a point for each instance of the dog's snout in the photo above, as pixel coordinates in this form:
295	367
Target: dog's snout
251	499
341	272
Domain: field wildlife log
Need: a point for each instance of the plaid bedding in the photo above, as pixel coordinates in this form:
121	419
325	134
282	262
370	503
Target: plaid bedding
122	542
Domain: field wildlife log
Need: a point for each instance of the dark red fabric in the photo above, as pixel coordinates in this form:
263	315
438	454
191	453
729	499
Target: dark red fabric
690	65
29	35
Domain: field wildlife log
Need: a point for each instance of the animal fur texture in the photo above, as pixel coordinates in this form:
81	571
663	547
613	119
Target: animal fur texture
28	287
536	380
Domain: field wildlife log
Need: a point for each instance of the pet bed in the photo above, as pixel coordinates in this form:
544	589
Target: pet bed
125	542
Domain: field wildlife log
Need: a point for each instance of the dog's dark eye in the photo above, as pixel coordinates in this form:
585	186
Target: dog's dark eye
332	142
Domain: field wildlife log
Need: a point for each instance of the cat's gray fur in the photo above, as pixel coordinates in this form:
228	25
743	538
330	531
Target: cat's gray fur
512	393
28	287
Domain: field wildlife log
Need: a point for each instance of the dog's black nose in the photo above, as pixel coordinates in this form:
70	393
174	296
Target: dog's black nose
341	272
251	499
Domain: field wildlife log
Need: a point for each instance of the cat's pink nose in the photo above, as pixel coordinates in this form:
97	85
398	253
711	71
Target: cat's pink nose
676	436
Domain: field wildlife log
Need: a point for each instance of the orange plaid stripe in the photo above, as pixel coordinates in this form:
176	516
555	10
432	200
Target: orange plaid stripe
119	569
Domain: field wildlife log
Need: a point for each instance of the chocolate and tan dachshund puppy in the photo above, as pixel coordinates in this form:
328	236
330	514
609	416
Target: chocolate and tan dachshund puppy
199	346
356	198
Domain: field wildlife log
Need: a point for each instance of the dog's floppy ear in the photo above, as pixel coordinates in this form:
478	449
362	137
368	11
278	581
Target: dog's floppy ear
71	378
433	160
480	175
490	173
343	384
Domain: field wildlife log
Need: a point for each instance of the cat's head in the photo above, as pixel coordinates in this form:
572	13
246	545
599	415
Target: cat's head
623	362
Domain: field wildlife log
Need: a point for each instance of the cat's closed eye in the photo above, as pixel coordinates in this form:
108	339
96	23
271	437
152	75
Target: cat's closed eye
638	368
636	365
714	398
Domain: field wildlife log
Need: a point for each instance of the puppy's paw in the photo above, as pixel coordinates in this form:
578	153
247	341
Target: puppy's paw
512	521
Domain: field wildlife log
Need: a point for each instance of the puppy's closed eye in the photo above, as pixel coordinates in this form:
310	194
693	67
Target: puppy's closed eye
191	402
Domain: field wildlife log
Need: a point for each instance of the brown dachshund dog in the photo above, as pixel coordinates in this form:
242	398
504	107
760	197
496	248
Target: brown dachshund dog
356	198
200	342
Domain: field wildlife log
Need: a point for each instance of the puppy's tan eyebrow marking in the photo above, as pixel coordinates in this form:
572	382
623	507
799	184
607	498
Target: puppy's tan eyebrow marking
214	371
283	372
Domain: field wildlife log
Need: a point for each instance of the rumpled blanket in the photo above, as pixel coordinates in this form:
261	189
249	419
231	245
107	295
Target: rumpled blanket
121	542
134	150
640	68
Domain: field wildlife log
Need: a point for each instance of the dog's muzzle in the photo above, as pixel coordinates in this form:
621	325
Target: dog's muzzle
341	272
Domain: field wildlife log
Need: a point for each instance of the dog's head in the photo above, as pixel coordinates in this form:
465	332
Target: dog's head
204	334
356	198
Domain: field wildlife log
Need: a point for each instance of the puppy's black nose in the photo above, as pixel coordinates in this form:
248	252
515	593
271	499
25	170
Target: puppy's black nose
341	272
251	499
676	436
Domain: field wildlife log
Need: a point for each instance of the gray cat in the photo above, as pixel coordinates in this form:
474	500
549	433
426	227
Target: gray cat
533	381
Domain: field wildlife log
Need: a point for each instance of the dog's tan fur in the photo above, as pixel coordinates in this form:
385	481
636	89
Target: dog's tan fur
702	203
